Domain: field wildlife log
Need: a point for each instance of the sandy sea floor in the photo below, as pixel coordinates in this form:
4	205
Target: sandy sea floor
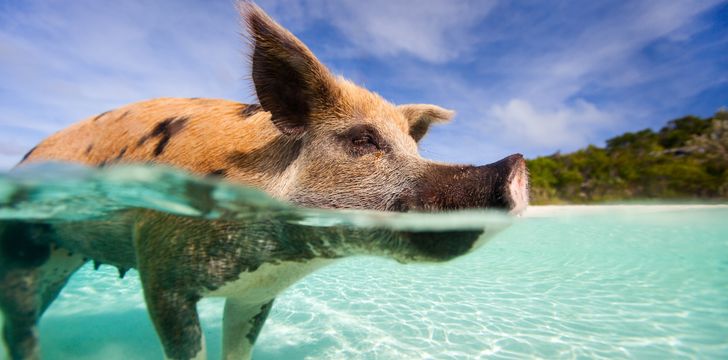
623	281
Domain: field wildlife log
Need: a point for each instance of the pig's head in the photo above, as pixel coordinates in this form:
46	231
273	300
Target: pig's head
356	150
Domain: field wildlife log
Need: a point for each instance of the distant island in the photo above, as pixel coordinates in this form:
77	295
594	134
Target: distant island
685	160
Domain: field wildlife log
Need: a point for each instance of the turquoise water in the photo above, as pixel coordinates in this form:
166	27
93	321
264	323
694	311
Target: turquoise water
621	282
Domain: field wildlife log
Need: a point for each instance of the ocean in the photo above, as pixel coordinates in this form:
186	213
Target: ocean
637	281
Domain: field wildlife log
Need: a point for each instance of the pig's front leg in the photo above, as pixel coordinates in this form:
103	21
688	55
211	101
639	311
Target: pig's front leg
242	322
170	272
173	310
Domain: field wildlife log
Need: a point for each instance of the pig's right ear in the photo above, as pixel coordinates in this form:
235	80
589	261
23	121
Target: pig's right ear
289	81
421	116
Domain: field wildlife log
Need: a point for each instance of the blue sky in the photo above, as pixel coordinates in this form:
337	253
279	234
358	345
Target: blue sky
534	77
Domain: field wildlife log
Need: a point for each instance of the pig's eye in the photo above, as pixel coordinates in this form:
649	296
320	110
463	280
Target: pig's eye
361	140
366	143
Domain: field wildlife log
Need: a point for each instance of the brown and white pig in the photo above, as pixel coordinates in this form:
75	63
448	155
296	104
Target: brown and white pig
315	140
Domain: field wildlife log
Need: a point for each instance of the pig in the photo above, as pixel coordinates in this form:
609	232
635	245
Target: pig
314	140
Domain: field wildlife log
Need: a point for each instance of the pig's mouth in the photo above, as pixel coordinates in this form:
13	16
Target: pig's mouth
502	185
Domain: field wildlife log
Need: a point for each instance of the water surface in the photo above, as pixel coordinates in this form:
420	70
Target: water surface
588	282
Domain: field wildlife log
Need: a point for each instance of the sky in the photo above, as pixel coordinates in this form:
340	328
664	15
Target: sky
534	77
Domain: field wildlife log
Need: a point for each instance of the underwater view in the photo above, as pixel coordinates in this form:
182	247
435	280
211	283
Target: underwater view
647	281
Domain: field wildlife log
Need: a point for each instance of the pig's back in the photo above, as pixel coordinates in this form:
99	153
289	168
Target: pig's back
203	136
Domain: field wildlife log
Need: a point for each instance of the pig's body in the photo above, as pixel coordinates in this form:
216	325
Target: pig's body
315	140
202	136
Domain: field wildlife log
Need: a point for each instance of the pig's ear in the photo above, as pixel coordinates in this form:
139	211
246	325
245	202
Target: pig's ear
420	116
289	81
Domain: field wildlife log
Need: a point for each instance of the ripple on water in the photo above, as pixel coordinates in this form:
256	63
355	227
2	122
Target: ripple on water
592	287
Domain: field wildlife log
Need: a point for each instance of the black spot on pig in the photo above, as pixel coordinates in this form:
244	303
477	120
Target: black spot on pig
99	116
25	157
123	115
121	153
164	131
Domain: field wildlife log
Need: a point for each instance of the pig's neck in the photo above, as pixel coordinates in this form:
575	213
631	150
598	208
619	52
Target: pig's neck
283	184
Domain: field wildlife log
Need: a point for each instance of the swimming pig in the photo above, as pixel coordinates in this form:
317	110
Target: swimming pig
315	140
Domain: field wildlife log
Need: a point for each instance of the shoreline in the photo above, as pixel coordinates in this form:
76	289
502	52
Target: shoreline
575	210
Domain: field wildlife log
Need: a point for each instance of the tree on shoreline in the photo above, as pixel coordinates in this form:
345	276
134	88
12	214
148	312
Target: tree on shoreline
686	159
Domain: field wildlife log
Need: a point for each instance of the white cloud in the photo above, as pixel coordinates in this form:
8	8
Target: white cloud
63	61
547	129
433	31
81	57
602	51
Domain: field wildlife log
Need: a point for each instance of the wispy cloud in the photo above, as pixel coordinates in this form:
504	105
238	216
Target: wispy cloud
604	49
433	31
546	109
543	130
63	61
437	31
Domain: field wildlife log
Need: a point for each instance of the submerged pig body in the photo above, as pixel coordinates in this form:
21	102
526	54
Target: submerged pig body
315	140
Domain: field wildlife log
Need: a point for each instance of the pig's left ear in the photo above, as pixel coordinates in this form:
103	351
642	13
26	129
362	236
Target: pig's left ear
289	81
420	116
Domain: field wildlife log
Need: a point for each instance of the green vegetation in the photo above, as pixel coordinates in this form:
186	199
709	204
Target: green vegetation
686	159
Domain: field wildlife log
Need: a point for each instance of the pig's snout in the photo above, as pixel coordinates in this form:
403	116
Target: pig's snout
500	185
514	174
